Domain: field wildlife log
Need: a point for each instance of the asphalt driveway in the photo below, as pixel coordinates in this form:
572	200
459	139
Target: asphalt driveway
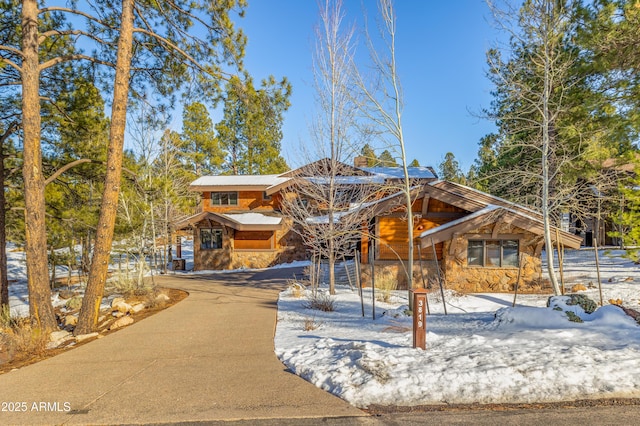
208	358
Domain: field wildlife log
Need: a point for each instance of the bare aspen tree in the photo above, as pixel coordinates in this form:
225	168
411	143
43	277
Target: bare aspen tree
323	184
382	103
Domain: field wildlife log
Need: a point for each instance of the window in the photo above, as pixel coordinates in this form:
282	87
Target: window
210	238
224	198
265	197
492	253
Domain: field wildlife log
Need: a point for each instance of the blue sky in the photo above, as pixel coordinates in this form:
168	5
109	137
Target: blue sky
440	56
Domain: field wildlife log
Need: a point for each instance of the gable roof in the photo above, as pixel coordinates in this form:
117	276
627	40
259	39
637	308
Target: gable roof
486	209
323	167
248	221
236	182
471	199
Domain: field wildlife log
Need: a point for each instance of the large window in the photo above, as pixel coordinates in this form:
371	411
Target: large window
492	253
210	238
224	198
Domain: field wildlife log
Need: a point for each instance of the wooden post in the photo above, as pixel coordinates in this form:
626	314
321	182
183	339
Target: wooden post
560	260
373	285
595	248
359	281
424	281
178	247
515	294
435	257
419	318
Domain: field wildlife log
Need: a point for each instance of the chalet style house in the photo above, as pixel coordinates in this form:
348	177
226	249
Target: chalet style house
480	243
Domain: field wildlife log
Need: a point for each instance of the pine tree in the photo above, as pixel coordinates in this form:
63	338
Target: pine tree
251	129
201	150
450	169
386	159
368	153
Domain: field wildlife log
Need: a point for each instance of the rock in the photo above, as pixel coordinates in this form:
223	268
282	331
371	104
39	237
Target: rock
162	297
632	313
83	337
74	303
117	314
70	320
59	335
137	308
588	305
102	318
122	306
121	322
117	301
578	287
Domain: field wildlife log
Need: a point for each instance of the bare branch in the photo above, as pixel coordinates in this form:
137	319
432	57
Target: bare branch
67	58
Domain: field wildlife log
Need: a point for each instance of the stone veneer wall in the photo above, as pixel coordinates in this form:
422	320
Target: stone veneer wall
397	271
288	247
460	277
211	258
474	279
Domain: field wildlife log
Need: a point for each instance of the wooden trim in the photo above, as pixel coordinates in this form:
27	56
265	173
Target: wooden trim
444	215
492	237
425	206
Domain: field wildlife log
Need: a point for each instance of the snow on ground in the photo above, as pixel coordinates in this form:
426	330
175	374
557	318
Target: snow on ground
484	351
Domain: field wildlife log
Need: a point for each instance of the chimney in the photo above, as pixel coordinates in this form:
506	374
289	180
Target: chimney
360	161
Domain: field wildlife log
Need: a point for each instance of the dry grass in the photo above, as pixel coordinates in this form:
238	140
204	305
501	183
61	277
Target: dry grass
321	301
23	340
310	324
386	284
154	299
296	289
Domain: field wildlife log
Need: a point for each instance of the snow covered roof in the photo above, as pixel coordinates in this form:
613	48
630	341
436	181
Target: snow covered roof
235	182
398	172
347	180
249	221
253	218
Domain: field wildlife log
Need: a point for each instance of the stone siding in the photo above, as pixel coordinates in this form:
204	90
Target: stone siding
476	279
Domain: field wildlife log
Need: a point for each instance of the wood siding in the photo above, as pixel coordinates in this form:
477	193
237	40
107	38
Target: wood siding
253	240
247	200
394	236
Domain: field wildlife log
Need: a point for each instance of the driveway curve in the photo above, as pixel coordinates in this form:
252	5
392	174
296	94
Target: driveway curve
207	358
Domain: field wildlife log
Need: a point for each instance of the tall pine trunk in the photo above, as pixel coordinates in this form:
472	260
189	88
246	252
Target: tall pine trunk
90	310
4	281
40	307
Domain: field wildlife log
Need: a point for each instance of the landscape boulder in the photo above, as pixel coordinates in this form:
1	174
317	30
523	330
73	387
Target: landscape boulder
70	320
137	308
121	306
162	297
121	322
83	337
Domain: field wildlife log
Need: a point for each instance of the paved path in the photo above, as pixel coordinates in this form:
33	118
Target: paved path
210	357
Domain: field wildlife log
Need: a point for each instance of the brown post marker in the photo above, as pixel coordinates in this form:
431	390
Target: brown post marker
420	318
178	247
